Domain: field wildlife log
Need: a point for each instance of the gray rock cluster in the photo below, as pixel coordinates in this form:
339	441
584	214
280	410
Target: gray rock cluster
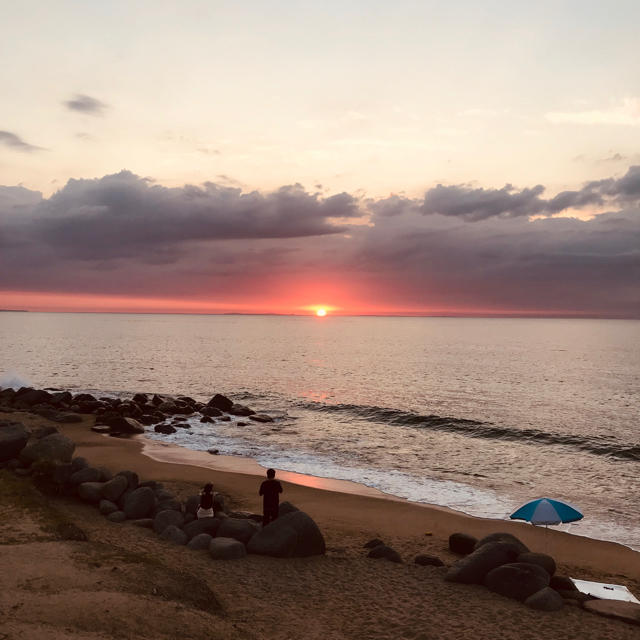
505	565
122	497
121	417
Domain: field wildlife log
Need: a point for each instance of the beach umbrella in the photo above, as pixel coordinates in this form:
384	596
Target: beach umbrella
547	511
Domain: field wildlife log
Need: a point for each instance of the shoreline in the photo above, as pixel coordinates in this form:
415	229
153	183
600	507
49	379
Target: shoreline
346	516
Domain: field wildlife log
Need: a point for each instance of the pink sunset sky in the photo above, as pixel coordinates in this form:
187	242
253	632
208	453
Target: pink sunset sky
413	158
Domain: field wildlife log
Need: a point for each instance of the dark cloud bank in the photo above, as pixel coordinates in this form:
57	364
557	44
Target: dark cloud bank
459	247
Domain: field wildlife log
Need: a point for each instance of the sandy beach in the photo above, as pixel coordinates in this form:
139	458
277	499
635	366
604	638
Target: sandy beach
125	582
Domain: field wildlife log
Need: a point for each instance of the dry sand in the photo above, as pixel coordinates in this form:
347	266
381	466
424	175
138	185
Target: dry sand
124	582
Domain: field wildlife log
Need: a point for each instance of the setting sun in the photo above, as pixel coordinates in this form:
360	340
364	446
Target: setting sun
321	312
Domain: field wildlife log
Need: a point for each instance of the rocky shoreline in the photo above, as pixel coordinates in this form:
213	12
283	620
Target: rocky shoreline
500	561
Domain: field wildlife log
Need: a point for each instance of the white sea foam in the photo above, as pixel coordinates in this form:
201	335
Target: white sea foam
13	380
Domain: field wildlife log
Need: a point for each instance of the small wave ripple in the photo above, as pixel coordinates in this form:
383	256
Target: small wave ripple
596	445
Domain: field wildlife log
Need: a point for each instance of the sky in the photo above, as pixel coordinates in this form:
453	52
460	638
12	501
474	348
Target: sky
365	157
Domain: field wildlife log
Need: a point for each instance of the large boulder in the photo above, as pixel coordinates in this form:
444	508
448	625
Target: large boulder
292	535
203	525
114	488
473	568
518	580
226	549
88	474
174	534
106	507
541	559
462	543
238	529
503	537
90	492
30	398
53	448
210	412
426	560
132	478
545	600
260	417
139	503
191	505
240	410
167	518
120	424
200	542
167	429
220	402
13	439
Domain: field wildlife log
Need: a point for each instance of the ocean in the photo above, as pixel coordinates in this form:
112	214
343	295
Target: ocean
475	414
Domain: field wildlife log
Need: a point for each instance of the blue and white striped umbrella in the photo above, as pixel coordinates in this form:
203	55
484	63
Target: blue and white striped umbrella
547	511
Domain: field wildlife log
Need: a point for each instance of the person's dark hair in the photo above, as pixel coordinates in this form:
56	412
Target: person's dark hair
208	488
271	474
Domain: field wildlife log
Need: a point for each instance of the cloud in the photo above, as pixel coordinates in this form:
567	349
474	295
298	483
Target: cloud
86	104
459	248
627	113
13	141
477	203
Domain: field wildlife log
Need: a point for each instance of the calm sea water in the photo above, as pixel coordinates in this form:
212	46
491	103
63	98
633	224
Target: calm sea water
476	414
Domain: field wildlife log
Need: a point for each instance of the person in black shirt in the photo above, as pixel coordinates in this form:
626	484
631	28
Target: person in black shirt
270	491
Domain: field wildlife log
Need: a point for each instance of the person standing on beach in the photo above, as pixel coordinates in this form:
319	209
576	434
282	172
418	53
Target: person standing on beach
270	491
205	509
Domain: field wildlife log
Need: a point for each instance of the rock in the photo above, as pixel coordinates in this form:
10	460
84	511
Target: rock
78	463
62	397
226	549
55	447
241	424
189	517
545	600
518	580
170	505
210	412
30	398
124	425
139	503
425	560
207	419
291	535
114	488
191	505
167	518
220	402
42	432
260	417
100	428
383	551
541	559
132	478
89	406
83	397
62	472
106	507
626	611
241	530
90	492
140	398
462	543
174	534
286	507
117	516
562	583
376	542
503	537
473	568
164	428
204	525
167	407
7	396
199	542
88	474
146	523
240	410
13	439
225	419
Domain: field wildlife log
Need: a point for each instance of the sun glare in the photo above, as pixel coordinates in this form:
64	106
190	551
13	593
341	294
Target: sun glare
321	312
